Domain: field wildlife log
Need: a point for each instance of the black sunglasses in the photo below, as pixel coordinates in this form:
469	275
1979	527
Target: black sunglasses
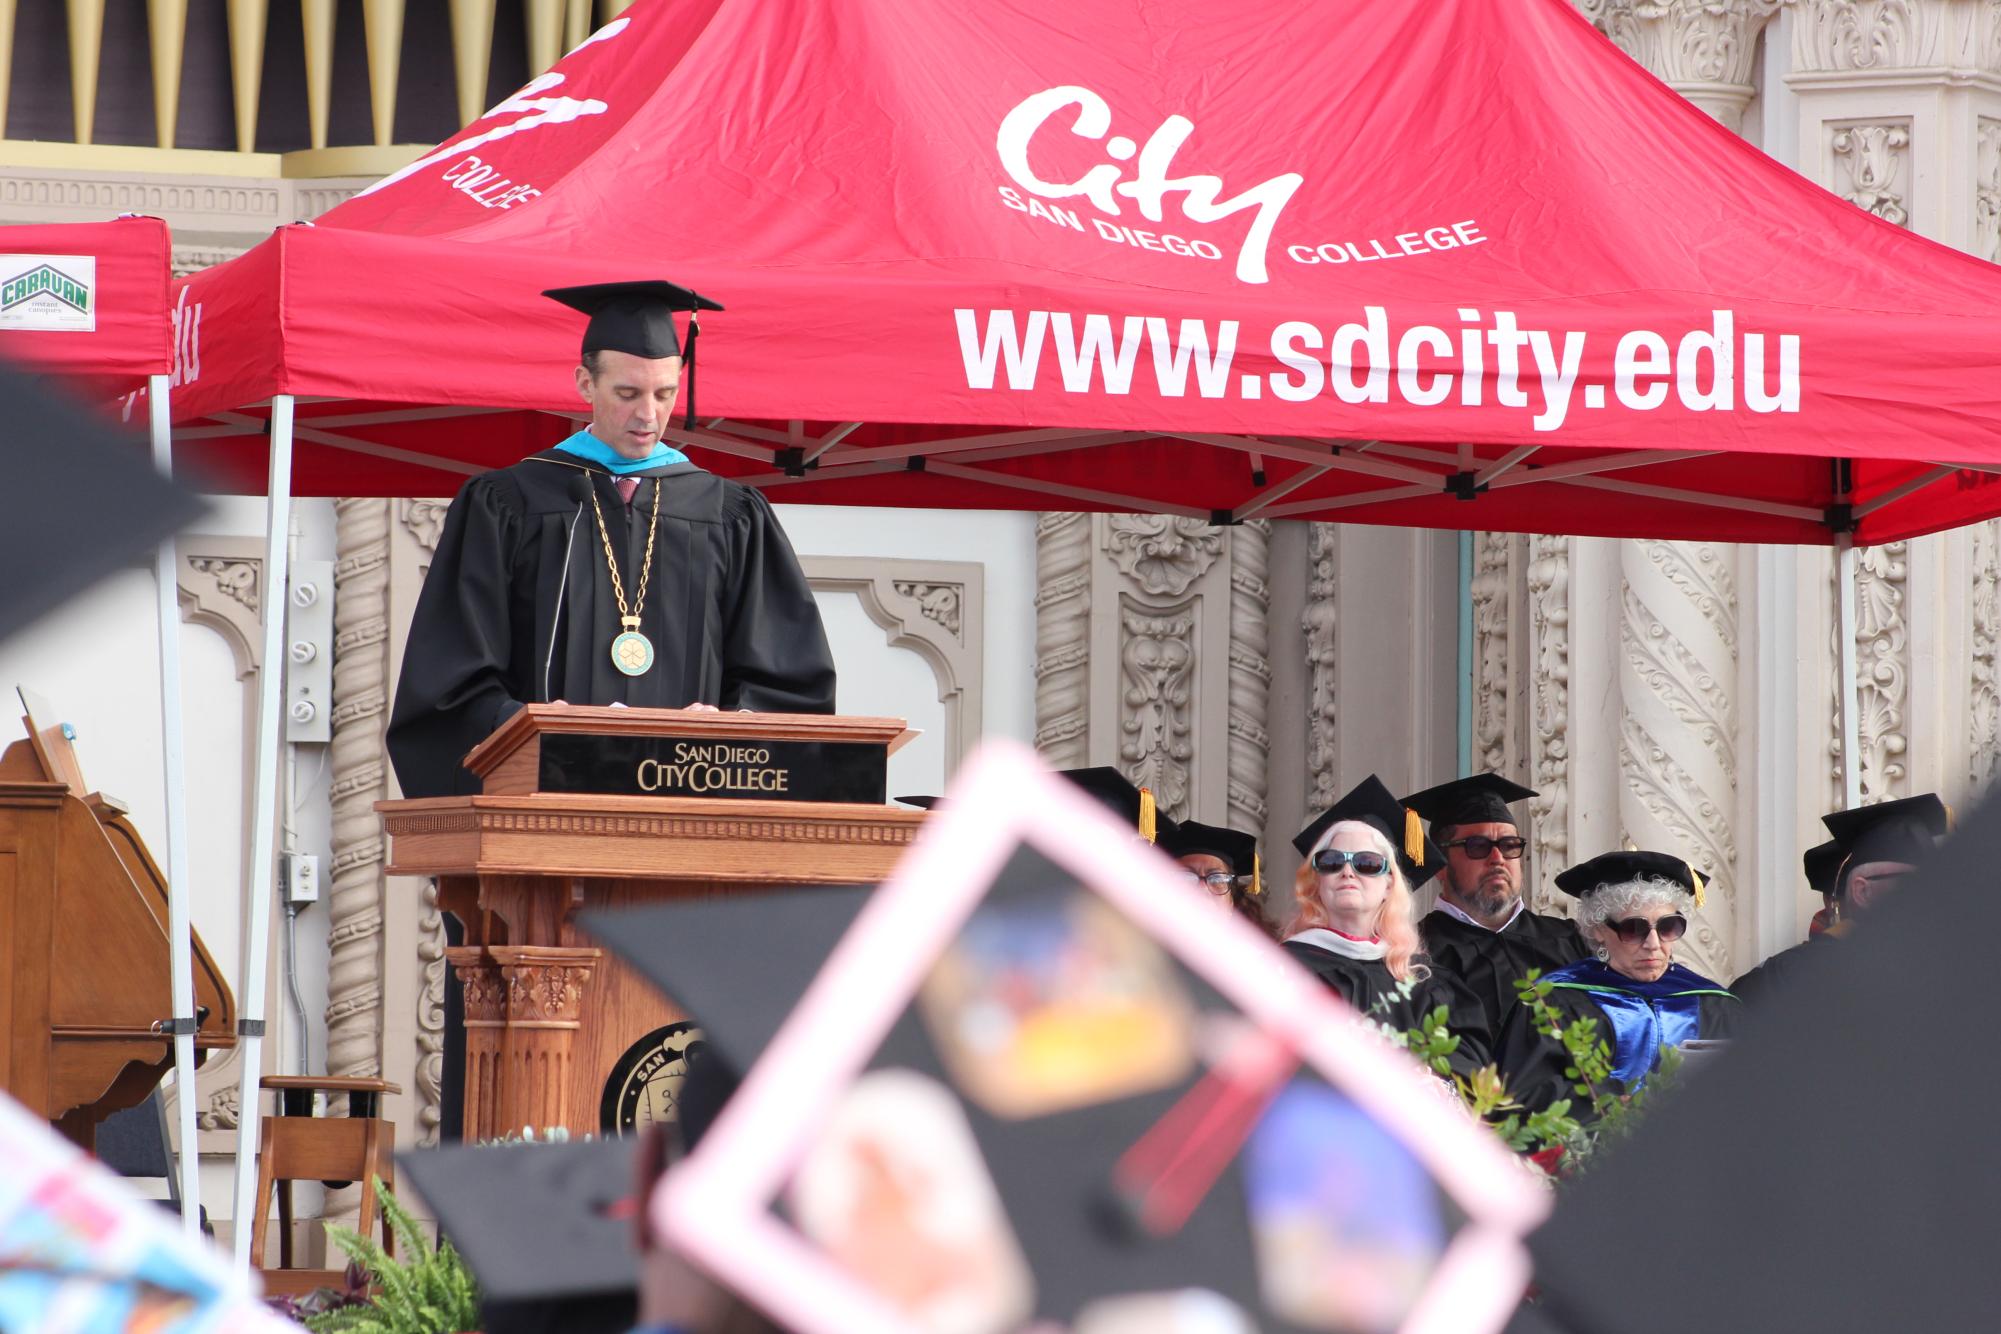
1633	930
1479	847
1365	863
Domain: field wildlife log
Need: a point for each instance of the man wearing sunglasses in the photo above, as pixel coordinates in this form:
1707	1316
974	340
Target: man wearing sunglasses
1873	851
1481	932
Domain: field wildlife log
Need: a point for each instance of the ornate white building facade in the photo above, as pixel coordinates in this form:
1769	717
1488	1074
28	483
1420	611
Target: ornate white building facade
1680	695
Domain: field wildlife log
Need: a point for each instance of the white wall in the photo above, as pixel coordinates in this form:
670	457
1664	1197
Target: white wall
877	679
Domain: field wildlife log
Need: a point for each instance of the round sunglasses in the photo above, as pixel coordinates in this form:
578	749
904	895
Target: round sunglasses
1634	930
1330	860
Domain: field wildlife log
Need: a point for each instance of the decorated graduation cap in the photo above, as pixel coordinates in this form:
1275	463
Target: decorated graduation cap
1239	851
638	318
1376	806
1038	1079
1117	794
1822	864
1616	868
547	1229
1889	831
1479	799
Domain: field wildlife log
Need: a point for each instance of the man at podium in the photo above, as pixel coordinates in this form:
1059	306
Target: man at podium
607	570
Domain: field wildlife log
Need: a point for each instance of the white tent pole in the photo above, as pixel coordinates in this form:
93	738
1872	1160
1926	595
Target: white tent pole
1851	739
180	926
263	821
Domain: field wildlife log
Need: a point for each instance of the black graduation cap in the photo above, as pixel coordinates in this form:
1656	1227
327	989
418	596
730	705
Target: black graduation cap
1822	863
638	318
1375	805
1875	1210
58	458
1186	838
540	1224
1889	831
1615	868
1480	799
1117	794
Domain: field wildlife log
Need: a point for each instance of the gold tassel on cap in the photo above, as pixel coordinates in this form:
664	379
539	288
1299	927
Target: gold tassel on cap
1951	820
1257	875
1696	877
1413	837
1147	815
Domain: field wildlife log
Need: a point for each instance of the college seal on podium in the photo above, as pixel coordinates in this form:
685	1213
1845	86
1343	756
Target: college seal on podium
645	1083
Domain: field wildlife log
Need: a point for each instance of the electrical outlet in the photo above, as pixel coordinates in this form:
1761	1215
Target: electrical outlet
302	877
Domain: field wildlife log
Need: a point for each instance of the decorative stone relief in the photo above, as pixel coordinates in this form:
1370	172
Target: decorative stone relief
1062	639
1319	620
1882	668
1549	624
425	519
221	1111
1869	167
1157	662
1984	697
1703	49
430	1016
938	602
1987	190
235	579
1163	553
1678	721
1848	35
1250	675
360	711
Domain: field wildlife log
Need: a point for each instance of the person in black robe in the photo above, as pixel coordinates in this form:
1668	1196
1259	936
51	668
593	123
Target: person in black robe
1355	927
1482	933
1224	862
1873	849
610	538
1633	907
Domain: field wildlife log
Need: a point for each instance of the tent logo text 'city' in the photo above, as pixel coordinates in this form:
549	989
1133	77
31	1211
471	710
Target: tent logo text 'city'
1150	183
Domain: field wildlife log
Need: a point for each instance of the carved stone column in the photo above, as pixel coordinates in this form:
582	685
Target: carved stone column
1703	49
1984	713
360	710
1678	721
1549	753
1151	655
1320	620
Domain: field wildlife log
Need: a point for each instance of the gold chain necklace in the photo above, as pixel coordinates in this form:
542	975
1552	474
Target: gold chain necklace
631	652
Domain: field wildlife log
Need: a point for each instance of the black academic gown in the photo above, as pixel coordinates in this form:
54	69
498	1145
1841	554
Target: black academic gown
1367	985
1489	963
1534	1065
518	608
1783	970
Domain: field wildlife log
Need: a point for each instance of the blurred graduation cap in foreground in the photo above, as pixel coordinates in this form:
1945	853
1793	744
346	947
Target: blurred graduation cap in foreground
1119	1101
78	500
1834	1171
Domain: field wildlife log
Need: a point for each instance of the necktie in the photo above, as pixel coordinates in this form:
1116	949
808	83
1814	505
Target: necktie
627	486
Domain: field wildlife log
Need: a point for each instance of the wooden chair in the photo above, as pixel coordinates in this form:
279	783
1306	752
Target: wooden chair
336	1151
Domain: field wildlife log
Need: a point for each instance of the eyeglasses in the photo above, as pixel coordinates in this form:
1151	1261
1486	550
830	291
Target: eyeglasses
1330	860
1479	847
1634	930
1217	882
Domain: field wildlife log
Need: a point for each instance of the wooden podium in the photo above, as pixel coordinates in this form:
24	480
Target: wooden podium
605	808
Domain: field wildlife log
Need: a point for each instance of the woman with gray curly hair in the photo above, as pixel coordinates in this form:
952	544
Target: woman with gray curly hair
1631	909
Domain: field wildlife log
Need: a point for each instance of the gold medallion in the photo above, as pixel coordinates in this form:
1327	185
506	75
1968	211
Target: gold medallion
632	653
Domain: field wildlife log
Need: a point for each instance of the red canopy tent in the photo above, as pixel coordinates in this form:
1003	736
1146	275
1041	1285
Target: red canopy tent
86	303
1460	264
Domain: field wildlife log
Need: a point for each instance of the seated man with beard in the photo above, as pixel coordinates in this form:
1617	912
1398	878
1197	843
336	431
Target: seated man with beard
1482	934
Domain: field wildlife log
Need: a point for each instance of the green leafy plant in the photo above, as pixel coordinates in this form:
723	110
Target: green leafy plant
428	1291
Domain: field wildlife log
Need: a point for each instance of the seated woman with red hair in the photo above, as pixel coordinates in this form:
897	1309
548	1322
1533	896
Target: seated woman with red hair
1355	927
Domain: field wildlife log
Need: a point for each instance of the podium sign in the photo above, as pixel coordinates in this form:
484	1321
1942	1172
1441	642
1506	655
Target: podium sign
586	807
767	769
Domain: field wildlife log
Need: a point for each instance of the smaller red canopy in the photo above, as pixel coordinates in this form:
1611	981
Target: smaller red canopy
88	301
